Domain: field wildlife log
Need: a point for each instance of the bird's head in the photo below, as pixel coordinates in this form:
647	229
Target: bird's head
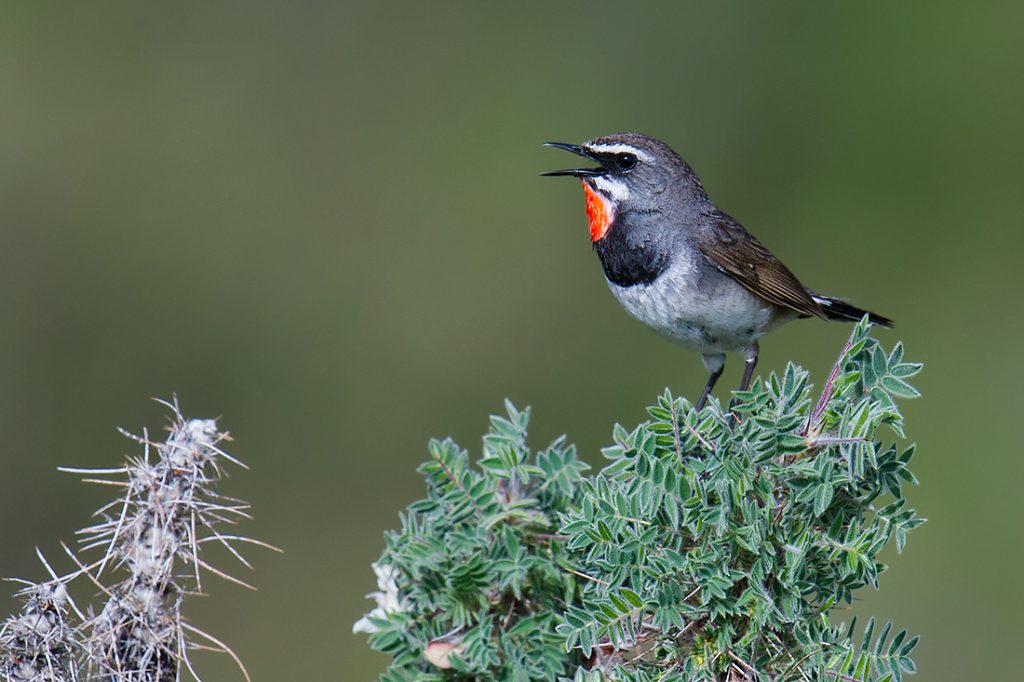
633	172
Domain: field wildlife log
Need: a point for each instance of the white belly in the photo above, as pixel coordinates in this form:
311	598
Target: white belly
723	316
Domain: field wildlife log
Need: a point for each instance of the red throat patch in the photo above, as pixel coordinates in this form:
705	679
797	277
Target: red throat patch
600	212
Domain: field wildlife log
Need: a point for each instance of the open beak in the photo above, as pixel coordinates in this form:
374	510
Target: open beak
575	172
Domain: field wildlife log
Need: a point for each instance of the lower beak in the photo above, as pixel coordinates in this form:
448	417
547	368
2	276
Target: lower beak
575	172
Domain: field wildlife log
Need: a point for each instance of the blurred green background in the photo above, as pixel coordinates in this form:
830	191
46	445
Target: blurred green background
323	223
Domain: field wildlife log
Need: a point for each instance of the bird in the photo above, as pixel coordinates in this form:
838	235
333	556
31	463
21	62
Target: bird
681	265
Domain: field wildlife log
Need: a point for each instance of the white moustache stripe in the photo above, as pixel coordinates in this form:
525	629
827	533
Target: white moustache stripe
616	190
620	148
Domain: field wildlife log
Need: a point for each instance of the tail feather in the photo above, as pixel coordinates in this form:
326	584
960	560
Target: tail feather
838	309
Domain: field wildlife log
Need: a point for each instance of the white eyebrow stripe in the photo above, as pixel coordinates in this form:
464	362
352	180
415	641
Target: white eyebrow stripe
619	148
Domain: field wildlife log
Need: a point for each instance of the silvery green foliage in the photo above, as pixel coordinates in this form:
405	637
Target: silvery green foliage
719	553
702	551
150	540
472	584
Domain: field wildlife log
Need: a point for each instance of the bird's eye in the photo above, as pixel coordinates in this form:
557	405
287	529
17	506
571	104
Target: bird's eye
626	160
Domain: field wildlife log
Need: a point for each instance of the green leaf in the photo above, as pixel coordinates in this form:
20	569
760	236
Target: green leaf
632	597
899	387
822	498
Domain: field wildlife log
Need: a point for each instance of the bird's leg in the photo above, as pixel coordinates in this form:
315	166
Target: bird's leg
748	369
750	356
716	365
707	389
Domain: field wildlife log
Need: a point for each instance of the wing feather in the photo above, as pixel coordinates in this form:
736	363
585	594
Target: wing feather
740	255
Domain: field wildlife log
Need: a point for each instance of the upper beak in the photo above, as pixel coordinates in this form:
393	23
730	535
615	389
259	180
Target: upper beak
577	172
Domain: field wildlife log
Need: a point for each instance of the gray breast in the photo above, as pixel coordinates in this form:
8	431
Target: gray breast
700	308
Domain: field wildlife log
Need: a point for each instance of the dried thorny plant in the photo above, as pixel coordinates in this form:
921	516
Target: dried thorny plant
150	540
39	643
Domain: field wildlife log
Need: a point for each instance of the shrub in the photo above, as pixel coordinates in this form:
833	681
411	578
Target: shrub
701	551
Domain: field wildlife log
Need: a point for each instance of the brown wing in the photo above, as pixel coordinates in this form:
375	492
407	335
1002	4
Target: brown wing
738	254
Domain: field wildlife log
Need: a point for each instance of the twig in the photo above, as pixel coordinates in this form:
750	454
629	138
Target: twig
826	390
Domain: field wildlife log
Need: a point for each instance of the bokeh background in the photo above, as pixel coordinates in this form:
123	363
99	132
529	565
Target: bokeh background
323	223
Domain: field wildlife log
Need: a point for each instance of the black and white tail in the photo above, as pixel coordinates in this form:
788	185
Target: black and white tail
838	309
